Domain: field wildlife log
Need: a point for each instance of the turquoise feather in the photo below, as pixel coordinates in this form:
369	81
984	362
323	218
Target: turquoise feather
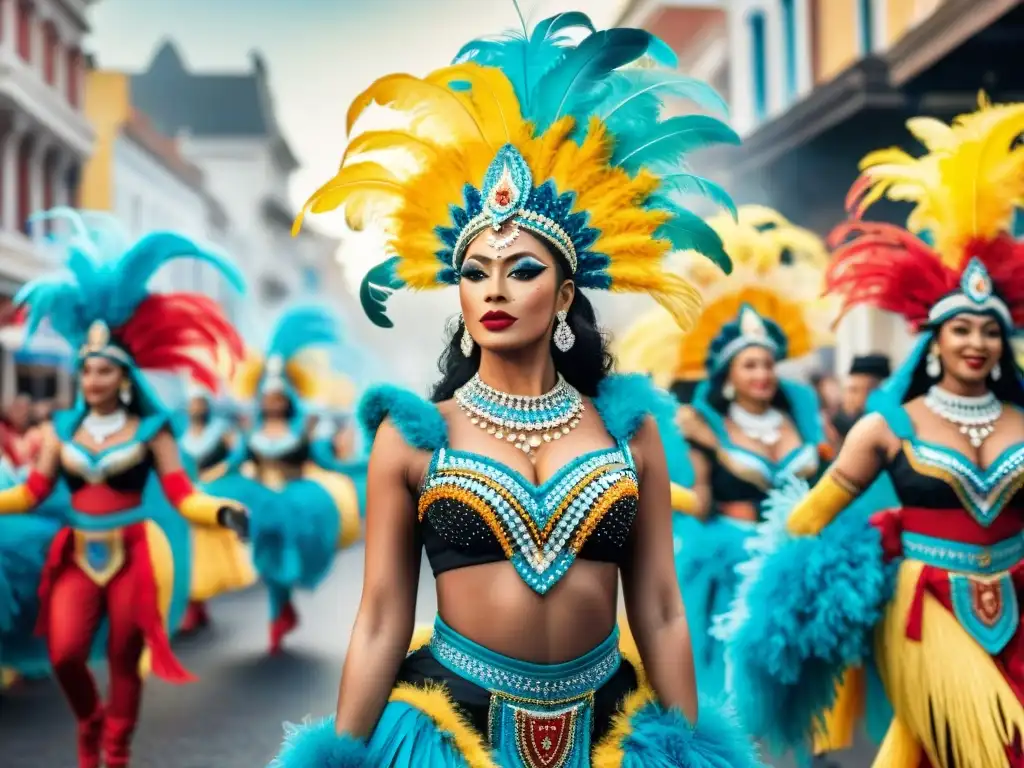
688	231
103	280
672	138
685	183
300	328
526	58
376	288
596	57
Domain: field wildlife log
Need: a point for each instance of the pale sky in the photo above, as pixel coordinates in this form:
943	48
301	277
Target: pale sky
320	55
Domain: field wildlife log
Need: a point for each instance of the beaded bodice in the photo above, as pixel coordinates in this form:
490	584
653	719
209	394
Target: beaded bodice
930	475
125	466
208	446
475	510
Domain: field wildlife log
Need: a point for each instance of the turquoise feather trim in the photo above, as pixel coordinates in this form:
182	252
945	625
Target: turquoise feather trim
419	421
318	745
405	737
624	400
662	738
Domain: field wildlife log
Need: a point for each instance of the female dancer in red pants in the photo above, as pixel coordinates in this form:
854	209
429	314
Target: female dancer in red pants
120	566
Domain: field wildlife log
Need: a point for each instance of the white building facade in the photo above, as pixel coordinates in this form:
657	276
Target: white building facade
247	164
44	139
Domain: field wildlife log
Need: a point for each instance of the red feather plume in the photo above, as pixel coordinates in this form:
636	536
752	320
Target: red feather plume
185	333
885	266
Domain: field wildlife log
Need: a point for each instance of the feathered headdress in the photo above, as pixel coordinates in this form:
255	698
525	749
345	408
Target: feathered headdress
101	304
957	253
772	299
533	132
286	366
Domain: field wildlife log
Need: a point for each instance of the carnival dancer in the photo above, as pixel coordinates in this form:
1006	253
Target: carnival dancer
302	513
535	477
747	427
928	593
106	448
220	562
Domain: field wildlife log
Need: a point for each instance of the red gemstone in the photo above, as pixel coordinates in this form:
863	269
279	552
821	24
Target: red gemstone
503	197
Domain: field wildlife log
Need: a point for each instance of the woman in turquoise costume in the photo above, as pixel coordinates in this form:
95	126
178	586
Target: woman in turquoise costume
302	513
534	477
116	575
925	594
336	441
220	562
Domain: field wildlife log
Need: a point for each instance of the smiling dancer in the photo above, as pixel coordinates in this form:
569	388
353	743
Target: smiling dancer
301	513
535	478
927	593
746	427
100	569
220	562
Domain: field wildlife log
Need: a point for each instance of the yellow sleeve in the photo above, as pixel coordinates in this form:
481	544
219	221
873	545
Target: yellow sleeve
201	509
820	507
684	500
17	500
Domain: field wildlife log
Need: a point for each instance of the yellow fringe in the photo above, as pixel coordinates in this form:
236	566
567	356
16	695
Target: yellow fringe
946	678
434	701
840	722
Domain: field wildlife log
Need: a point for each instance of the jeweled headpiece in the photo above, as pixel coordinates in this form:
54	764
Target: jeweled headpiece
771	300
532	132
957	253
101	306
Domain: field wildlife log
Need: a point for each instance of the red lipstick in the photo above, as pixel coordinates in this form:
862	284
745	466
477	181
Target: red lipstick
975	363
497	321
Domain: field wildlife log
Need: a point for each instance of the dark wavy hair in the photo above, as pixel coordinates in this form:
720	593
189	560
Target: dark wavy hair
584	366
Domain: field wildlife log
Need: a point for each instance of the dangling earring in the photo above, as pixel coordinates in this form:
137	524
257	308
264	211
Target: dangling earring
728	390
125	393
933	366
466	342
564	337
997	371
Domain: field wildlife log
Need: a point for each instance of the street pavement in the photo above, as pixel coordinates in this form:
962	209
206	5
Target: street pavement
231	717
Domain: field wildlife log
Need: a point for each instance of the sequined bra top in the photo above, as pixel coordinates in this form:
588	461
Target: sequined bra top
739	474
208	447
474	509
289	448
124	467
932	476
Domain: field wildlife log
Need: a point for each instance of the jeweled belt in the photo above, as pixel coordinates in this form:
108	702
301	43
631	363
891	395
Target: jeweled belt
538	682
964	558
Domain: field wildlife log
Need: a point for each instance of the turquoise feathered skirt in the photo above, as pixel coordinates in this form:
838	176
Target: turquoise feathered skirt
707	556
295	531
459	705
804	613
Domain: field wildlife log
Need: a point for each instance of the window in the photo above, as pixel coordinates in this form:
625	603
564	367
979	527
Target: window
760	64
867	26
789	39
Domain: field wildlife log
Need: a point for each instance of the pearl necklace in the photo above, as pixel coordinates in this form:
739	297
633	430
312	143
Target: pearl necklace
527	422
764	427
975	416
102	426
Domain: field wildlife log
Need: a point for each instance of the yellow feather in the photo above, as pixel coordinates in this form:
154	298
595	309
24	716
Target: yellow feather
651	345
360	185
421	150
933	133
492	99
406	93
